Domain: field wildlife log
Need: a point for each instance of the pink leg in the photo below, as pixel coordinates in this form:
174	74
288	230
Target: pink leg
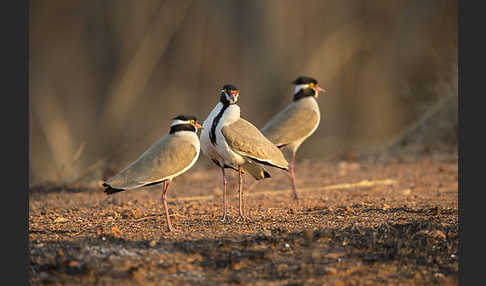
224	196
240	194
164	200
292	176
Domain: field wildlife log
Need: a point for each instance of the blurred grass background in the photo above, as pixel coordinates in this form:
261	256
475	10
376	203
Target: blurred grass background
106	76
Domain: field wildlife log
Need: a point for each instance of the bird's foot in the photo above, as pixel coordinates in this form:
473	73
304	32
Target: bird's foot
223	218
169	226
241	218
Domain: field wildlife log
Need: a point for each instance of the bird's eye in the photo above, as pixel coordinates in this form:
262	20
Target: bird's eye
311	85
192	122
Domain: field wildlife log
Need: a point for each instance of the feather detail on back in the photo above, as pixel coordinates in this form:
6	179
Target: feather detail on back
167	158
295	123
247	141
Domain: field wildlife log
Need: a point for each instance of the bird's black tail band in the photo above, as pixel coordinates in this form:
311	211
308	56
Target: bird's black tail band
266	174
109	190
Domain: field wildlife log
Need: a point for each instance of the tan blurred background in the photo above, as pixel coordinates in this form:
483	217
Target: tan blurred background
106	76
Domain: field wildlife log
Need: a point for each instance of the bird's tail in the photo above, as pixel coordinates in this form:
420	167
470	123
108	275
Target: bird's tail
258	172
109	190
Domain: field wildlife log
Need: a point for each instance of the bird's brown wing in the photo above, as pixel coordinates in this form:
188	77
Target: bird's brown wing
246	140
293	123
167	157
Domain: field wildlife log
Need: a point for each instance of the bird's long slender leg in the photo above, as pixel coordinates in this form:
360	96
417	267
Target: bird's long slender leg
164	200
292	176
224	195
240	194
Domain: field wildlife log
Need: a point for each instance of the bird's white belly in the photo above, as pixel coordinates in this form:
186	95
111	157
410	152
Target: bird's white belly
208	148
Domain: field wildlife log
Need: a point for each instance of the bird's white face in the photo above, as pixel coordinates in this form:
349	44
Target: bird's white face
231	95
315	87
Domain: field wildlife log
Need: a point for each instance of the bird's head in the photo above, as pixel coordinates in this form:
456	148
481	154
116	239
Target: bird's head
307	86
229	94
185	122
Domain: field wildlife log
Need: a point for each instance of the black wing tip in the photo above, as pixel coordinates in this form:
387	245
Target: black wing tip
110	190
266	174
269	164
281	146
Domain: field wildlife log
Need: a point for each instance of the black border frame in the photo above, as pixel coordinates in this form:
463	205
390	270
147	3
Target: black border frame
15	144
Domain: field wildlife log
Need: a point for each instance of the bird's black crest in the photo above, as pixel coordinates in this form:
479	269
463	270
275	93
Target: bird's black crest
229	87
185	117
304	80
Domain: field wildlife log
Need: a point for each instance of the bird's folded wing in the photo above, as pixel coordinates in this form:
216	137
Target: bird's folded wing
246	140
167	157
291	124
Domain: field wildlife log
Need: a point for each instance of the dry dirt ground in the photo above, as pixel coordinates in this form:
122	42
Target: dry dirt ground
357	223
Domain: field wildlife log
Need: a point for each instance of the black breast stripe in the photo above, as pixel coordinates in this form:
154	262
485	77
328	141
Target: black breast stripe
182	127
212	133
304	92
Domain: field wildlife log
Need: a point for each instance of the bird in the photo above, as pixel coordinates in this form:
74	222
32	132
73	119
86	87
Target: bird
232	142
289	128
166	159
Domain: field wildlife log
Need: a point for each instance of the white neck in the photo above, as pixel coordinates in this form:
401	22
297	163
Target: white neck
231	114
299	87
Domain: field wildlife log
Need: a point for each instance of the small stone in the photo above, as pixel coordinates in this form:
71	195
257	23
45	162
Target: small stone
73	264
440	234
60	219
333	255
116	232
237	266
435	211
152	243
267	233
99	231
406	192
438	275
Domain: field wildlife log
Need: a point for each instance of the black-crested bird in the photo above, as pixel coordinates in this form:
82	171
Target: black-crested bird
295	123
232	142
166	159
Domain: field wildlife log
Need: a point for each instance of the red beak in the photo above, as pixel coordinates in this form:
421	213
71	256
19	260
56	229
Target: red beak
319	89
198	126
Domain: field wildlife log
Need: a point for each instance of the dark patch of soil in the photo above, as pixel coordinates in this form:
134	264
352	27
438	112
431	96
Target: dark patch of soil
358	223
